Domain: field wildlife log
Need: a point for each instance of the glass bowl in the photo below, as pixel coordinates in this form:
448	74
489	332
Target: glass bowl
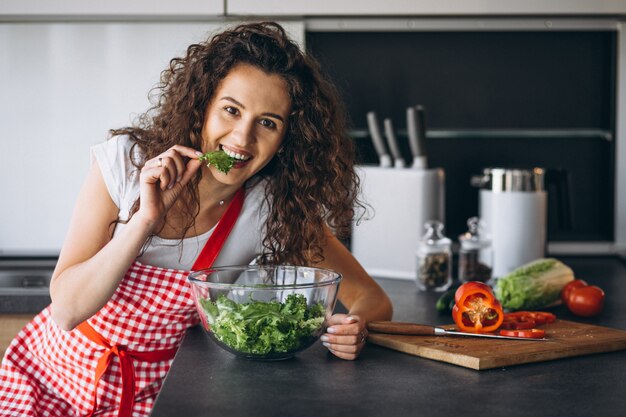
264	312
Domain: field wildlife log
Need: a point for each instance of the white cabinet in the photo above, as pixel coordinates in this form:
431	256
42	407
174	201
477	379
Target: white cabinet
279	8
113	8
424	7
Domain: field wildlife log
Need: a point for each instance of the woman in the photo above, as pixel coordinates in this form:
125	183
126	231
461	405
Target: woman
120	301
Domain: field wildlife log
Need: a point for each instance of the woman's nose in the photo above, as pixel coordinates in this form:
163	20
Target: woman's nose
244	132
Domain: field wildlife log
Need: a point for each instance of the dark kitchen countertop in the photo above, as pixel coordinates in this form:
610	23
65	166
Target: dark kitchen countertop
205	380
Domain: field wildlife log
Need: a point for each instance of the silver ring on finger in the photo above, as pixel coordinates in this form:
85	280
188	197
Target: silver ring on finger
160	162
362	337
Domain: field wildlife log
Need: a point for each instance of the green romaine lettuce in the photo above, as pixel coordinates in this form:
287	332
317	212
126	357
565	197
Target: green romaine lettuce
535	285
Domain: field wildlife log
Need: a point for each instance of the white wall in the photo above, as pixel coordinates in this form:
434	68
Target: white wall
62	87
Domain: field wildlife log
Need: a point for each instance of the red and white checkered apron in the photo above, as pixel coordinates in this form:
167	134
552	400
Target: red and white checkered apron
89	371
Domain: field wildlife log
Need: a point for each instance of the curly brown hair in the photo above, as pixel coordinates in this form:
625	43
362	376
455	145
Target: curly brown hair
311	181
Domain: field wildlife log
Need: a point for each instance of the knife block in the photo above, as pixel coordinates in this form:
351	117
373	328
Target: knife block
399	202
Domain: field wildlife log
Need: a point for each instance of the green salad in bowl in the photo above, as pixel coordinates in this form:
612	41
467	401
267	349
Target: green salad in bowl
264	312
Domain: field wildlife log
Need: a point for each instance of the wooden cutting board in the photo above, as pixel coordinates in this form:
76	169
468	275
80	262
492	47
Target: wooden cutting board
566	339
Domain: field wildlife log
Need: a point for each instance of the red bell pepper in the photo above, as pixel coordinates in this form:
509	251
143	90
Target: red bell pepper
539	317
527	333
517	322
476	309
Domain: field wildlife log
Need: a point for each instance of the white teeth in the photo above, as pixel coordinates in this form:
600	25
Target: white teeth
235	155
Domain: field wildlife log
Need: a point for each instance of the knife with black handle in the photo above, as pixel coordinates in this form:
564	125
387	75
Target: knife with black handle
417	135
377	139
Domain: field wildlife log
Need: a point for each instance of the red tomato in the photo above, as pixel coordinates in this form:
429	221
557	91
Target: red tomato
530	333
572	285
586	301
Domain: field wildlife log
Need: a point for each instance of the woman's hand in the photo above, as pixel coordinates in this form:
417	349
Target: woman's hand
345	336
162	179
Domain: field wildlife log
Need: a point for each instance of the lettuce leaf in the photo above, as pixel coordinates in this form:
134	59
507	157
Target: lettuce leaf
264	327
219	159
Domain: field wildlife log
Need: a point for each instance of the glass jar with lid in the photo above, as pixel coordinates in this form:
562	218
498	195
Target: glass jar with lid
475	253
434	259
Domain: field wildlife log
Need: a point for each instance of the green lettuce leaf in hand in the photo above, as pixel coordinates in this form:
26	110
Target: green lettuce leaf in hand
219	159
535	285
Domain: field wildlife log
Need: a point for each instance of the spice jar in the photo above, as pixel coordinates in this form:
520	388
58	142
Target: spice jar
434	259
475	253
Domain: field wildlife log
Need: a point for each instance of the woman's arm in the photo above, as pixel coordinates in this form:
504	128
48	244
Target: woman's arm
92	263
359	293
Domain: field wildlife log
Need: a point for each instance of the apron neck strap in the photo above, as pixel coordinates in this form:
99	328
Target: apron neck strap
220	234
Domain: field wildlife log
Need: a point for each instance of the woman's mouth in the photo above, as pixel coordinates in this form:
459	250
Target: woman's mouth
239	157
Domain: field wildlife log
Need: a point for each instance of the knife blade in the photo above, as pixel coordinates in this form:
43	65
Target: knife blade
417	134
414	329
398	160
377	139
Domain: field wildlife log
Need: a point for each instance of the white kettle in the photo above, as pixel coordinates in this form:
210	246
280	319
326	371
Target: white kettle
513	207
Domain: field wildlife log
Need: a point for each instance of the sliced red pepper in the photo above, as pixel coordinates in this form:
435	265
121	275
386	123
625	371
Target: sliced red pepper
476	309
540	317
529	334
511	322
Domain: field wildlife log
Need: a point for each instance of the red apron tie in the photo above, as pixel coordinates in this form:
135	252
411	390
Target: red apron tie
127	371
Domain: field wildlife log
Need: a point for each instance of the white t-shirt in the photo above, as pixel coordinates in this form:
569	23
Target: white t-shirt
122	181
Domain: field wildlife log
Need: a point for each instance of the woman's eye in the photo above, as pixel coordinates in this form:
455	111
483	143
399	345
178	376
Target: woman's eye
268	123
231	110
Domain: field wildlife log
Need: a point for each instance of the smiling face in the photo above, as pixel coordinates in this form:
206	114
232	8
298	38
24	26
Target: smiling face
247	119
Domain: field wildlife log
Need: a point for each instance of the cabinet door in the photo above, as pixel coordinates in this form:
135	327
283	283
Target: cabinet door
422	7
